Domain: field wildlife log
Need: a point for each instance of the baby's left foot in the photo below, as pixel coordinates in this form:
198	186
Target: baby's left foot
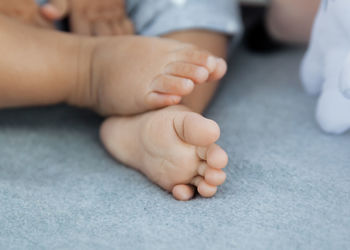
126	75
173	147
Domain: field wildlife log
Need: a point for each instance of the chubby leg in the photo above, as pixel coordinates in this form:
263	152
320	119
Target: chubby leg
291	20
174	147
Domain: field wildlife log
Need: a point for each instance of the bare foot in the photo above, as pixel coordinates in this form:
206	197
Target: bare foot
91	17
131	74
174	147
26	11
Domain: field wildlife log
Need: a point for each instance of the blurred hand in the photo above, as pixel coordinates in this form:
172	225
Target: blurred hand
26	11
91	17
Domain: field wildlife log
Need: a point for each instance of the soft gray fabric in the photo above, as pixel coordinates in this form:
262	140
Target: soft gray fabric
288	184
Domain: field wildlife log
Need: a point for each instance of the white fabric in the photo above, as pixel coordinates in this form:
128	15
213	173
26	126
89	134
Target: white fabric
326	66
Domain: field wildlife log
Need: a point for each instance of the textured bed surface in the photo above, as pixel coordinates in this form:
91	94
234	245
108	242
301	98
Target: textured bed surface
288	184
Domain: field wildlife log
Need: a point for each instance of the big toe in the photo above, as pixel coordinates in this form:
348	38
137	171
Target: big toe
220	70
196	130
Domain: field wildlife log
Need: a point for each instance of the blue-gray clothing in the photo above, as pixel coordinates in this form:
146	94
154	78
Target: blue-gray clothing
158	17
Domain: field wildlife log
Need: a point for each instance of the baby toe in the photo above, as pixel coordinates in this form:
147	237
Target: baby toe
216	157
196	130
183	192
220	70
214	177
204	189
197	74
172	85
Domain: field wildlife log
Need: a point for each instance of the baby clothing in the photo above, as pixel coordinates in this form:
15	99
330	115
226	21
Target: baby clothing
159	17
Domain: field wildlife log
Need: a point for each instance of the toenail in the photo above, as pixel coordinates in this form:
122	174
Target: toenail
202	72
220	60
176	99
188	84
211	63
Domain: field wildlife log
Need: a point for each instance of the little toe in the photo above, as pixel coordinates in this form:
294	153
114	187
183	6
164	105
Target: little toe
183	192
172	85
197	74
216	157
196	130
204	189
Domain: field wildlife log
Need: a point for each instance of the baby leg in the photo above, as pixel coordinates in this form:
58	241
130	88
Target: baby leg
291	20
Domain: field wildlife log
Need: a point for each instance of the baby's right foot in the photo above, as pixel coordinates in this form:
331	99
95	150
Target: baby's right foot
173	147
129	74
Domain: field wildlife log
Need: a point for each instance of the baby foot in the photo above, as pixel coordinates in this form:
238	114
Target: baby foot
130	74
173	147
91	17
26	11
